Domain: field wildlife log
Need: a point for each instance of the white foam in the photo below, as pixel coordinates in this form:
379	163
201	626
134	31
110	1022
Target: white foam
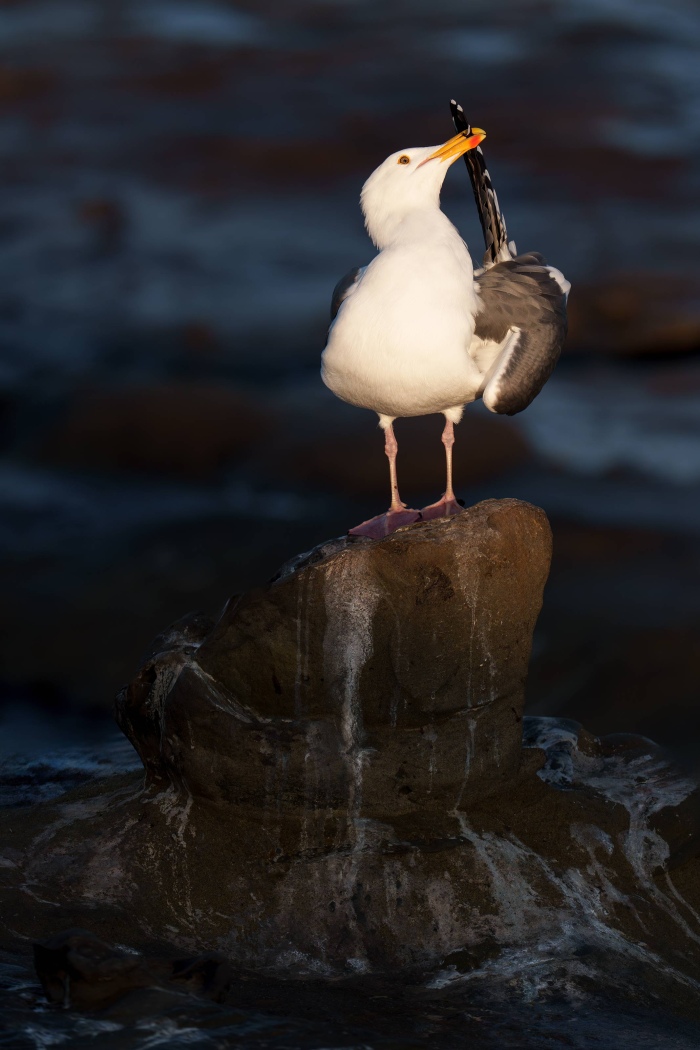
540	941
644	784
167	1033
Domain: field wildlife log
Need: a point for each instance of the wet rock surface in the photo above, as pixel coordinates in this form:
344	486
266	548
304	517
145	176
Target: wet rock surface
370	679
340	784
346	819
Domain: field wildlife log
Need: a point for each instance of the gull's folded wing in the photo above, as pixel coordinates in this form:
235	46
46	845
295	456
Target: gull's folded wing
522	309
344	288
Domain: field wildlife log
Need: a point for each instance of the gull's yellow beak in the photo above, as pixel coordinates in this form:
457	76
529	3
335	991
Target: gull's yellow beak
457	146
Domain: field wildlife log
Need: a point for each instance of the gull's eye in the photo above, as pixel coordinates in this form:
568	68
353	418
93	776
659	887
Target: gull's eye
405	159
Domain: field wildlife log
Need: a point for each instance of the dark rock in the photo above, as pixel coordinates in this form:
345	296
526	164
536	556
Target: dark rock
77	969
209	974
678	825
185	635
357	672
337	784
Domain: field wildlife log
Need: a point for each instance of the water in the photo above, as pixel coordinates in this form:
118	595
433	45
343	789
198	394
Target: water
369	1016
40	772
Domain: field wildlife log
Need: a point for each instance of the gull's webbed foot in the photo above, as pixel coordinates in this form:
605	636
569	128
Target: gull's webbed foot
384	524
444	508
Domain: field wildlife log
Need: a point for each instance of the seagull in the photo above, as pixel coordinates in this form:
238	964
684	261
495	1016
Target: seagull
418	332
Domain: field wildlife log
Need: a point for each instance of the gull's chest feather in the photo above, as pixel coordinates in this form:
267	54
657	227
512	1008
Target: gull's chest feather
413	298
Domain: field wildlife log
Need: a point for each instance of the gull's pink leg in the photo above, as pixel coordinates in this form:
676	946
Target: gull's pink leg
398	514
448	504
391	450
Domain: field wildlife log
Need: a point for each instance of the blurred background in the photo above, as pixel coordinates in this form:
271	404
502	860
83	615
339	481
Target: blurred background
179	186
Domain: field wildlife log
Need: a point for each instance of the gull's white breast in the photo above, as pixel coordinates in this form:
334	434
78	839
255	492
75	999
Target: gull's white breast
400	342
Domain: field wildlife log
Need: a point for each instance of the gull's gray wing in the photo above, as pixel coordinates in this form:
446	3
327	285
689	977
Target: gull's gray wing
344	288
522	308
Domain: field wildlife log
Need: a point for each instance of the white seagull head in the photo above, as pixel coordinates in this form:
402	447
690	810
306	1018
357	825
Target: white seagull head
410	181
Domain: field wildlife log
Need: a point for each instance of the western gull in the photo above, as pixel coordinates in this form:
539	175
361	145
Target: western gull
417	331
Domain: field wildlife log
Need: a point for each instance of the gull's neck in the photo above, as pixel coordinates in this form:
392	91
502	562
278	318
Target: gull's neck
404	229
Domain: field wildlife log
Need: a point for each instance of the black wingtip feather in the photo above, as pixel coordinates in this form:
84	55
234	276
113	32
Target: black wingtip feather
492	221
